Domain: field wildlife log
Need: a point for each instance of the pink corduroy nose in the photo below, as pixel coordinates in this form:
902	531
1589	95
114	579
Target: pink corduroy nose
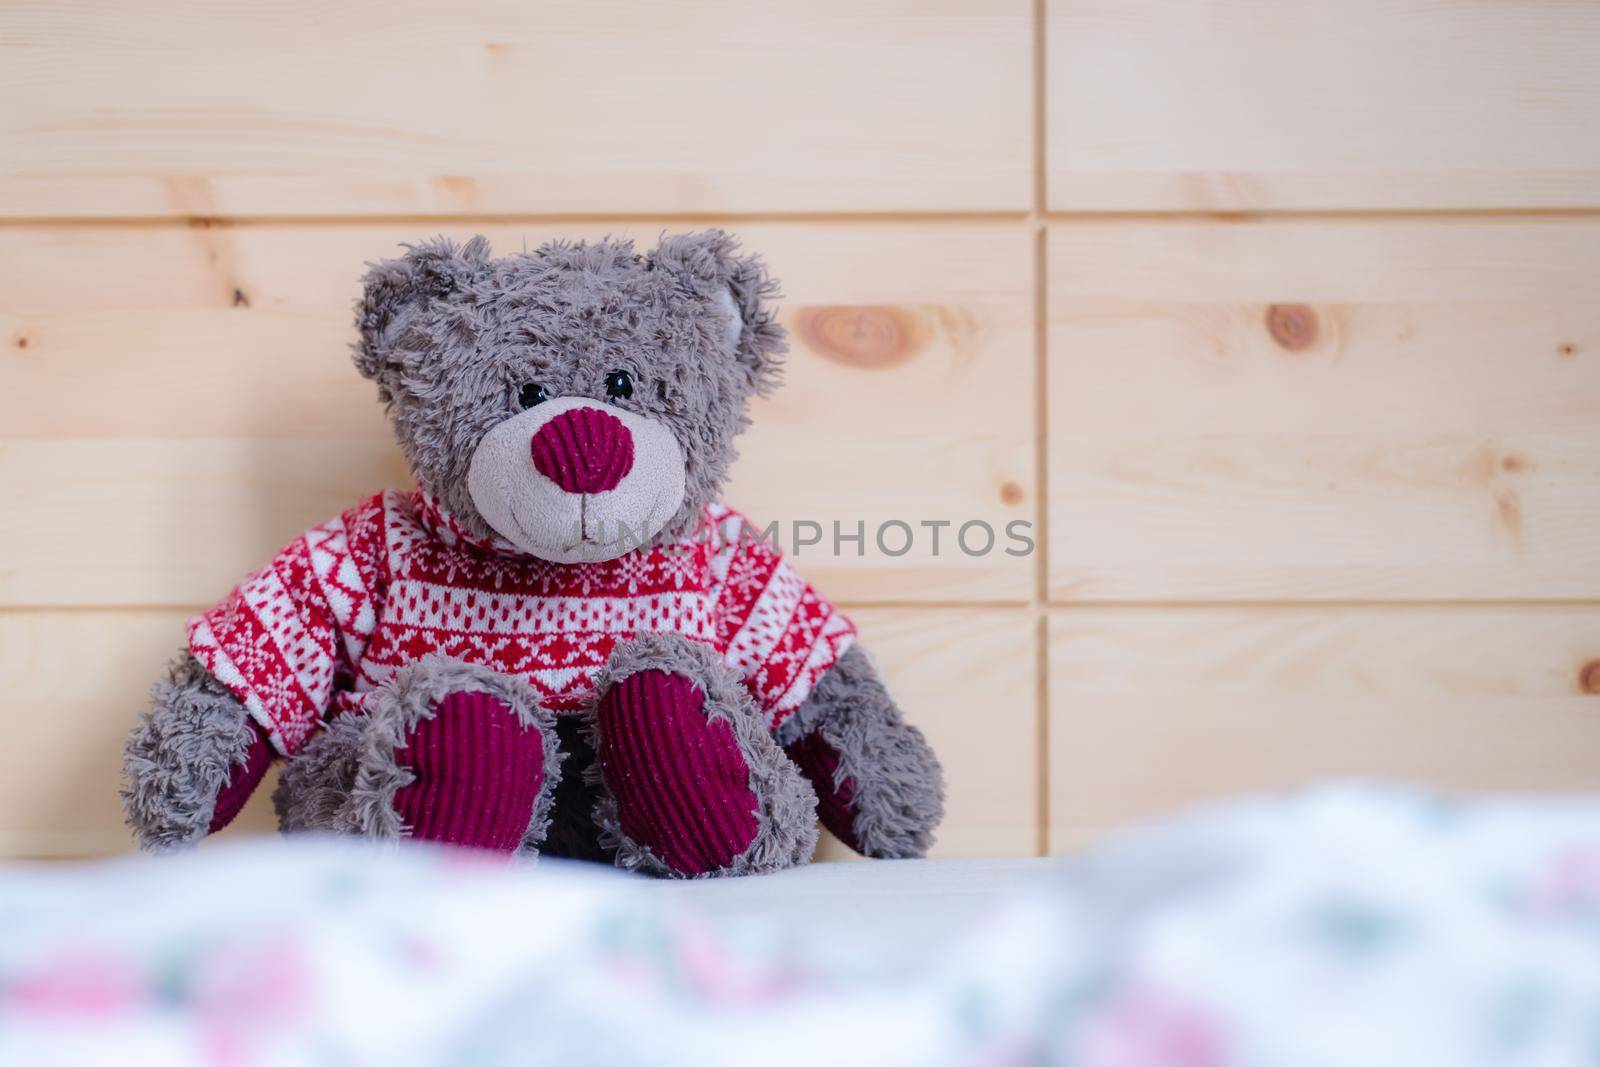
584	450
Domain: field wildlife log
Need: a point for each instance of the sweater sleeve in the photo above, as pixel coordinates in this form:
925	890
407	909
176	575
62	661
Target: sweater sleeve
293	632
777	631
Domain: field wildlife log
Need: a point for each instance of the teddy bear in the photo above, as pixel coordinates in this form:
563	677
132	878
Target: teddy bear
561	642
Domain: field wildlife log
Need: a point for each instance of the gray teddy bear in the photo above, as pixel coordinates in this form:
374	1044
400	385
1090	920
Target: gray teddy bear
562	642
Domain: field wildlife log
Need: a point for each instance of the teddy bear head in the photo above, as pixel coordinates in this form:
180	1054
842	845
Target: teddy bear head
575	401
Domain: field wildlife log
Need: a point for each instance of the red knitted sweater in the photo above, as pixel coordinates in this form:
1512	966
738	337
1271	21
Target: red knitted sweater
350	602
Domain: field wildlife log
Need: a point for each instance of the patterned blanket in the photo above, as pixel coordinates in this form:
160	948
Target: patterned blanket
1356	927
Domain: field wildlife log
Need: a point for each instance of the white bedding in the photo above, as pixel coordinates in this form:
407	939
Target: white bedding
1341	927
906	903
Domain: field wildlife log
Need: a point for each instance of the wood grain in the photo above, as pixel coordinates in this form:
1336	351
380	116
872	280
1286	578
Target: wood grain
1322	488
76	679
493	106
1153	710
1244	105
165	522
1325	410
195	385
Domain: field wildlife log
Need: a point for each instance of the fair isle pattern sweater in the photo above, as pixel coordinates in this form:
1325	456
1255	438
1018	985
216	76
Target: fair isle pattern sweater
350	602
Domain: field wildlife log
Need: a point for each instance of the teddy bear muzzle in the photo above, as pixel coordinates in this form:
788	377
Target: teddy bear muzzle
574	480
584	450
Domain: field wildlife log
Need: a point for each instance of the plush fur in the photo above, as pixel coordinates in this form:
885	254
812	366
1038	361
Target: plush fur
180	755
786	832
899	783
450	335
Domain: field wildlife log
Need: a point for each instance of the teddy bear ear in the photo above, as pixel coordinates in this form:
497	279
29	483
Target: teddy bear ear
707	266
396	292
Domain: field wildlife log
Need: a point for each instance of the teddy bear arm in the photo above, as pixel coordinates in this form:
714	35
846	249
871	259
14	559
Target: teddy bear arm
881	787
191	760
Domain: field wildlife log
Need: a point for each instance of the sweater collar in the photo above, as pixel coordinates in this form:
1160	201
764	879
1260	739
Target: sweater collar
446	529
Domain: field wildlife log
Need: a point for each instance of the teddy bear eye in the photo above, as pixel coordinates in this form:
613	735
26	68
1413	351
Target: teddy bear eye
532	393
619	385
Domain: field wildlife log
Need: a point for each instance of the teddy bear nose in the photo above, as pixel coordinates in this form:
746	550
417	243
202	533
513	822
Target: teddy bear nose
585	450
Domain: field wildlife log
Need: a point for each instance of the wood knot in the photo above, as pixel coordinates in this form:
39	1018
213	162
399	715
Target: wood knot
1508	510
240	300
1010	494
1589	678
461	188
22	340
867	337
1566	350
1512	463
1292	326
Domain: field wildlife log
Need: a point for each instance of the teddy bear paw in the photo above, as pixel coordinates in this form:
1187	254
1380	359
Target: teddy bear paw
682	785
836	798
477	770
442	751
692	782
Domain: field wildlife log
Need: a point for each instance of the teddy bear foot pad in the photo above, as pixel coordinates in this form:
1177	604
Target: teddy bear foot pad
477	770
693	809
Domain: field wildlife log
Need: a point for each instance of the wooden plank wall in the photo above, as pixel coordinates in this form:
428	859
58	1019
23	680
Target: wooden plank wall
1279	320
